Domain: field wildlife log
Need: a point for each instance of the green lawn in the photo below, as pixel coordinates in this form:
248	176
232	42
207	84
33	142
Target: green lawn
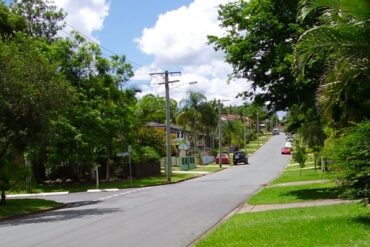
207	169
135	183
213	167
20	206
307	175
338	225
288	194
252	146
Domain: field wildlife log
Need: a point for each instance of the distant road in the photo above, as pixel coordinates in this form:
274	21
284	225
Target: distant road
164	216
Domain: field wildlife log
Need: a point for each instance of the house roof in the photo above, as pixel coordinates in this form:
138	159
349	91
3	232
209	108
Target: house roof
173	127
160	125
231	117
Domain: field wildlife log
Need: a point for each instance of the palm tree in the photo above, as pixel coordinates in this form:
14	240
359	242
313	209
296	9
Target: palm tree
209	118
190	113
343	36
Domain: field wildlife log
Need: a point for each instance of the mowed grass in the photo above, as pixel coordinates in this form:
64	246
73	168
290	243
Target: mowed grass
21	206
253	146
338	225
289	194
123	184
207	169
289	176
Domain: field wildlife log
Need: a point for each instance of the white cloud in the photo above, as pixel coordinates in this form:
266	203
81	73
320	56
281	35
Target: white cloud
179	38
86	16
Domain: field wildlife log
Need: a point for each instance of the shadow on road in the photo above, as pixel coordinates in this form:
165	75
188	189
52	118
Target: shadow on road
71	211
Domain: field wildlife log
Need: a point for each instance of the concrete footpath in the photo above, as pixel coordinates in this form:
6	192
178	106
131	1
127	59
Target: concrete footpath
259	208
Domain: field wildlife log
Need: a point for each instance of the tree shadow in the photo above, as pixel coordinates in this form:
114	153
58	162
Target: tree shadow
364	220
70	211
315	194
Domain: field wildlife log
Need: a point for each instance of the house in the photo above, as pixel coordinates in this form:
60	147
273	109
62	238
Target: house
183	135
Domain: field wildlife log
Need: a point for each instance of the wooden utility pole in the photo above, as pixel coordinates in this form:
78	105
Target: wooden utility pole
168	118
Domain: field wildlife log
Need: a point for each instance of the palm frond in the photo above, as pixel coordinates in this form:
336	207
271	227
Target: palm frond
359	9
342	40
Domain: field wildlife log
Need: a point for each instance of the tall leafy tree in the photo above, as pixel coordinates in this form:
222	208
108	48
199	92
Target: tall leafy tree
152	108
43	19
32	92
258	42
102	120
10	23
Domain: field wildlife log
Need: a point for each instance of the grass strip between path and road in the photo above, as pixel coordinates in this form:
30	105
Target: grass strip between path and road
122	184
305	175
23	206
338	225
299	193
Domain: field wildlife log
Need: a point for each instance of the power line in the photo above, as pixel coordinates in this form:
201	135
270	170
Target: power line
102	47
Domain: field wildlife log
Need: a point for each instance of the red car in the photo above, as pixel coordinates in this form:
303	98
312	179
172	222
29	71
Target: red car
286	150
224	158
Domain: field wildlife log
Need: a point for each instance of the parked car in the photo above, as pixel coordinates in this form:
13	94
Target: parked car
240	157
286	150
224	158
275	131
289	144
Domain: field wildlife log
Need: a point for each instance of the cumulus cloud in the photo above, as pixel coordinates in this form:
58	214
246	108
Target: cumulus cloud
86	16
179	38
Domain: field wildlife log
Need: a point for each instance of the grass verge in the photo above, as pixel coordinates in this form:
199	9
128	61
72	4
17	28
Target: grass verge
338	225
296	176
299	193
21	206
123	184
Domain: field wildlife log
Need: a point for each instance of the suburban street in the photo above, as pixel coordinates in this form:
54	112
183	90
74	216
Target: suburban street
170	215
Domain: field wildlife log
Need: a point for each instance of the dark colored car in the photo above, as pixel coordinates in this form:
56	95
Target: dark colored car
240	157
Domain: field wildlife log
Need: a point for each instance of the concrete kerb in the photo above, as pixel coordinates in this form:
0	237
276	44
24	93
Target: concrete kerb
221	221
37	194
103	190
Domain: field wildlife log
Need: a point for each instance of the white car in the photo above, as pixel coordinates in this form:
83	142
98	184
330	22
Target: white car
289	144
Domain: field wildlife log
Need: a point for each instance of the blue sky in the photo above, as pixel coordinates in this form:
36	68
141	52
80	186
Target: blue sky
126	21
157	36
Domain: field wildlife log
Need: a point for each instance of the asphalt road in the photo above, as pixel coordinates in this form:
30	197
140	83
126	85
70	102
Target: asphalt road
164	216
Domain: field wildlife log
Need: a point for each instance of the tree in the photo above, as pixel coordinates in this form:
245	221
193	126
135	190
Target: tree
102	120
342	33
43	19
190	113
10	23
209	118
152	108
259	39
300	155
33	92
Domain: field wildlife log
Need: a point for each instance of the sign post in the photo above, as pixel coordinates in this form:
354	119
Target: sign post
124	154
129	161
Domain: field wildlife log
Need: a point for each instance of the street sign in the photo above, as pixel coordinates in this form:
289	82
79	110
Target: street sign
122	154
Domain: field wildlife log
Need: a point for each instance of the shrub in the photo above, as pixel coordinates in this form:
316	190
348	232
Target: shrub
350	154
299	154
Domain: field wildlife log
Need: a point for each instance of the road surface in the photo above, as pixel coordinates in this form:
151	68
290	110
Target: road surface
170	215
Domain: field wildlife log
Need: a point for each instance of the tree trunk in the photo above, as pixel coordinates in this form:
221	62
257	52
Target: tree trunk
195	139
315	159
107	173
3	197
